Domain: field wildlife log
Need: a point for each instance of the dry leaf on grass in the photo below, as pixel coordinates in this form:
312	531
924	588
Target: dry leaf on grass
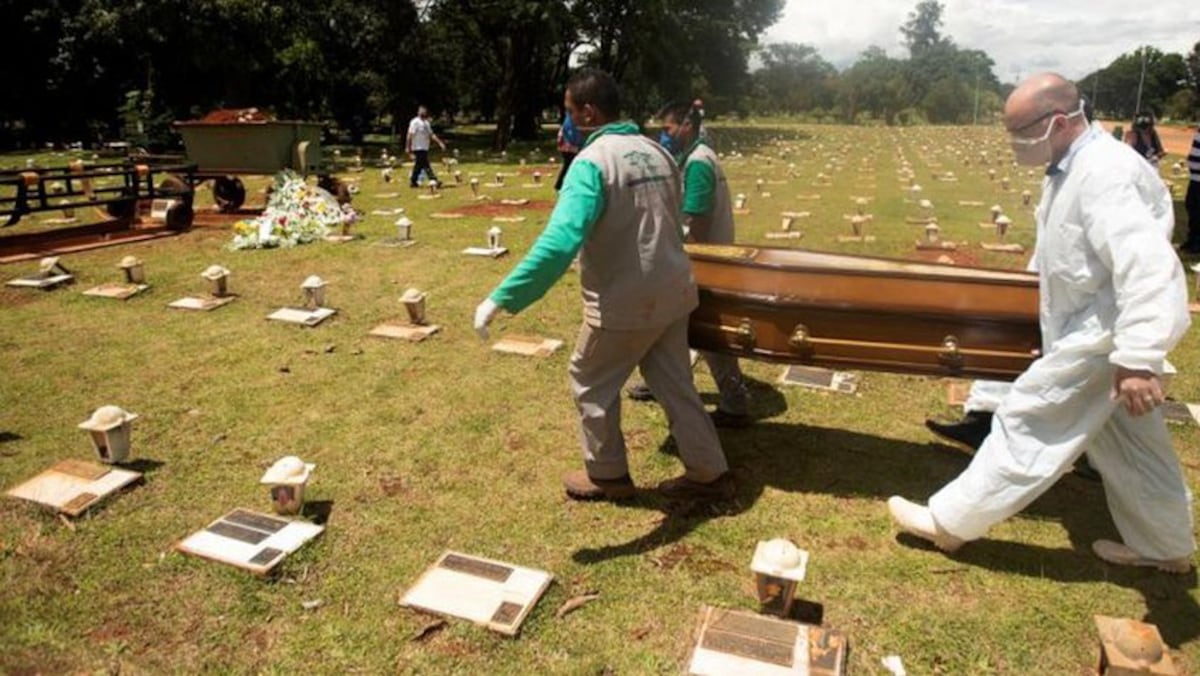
429	630
575	603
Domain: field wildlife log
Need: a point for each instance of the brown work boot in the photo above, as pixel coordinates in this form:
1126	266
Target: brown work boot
1122	555
683	488
580	486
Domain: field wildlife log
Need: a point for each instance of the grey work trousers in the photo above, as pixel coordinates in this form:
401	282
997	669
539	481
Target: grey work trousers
730	384
600	365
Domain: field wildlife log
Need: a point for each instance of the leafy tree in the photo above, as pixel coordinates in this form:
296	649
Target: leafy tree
794	78
1116	85
922	29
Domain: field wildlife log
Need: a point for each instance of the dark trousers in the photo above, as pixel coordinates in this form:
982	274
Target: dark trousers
421	162
1192	204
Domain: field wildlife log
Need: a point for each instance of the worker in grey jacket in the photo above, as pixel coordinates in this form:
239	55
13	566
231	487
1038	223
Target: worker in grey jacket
708	216
619	209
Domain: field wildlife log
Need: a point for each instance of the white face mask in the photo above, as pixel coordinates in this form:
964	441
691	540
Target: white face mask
1037	151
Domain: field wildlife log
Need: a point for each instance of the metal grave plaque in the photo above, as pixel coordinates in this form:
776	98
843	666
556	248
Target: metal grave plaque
527	346
740	642
72	486
493	594
249	540
819	378
302	317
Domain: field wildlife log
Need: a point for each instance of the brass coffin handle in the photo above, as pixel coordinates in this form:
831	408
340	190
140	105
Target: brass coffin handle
744	336
949	353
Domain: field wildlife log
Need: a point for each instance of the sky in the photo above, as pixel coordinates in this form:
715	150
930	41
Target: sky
1071	37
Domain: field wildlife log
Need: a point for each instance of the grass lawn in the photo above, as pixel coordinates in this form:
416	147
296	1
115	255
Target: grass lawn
445	444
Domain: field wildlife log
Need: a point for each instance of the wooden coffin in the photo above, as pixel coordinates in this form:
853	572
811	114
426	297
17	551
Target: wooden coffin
841	311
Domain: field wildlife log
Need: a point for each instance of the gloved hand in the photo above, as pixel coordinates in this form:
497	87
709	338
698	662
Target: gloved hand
483	316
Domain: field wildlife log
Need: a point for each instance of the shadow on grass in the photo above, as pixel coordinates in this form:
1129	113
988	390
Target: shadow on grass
142	465
848	464
318	511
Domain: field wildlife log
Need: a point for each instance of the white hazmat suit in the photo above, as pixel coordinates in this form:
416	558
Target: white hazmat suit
1112	294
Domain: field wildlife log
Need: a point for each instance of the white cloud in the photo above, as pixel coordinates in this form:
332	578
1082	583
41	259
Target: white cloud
1072	37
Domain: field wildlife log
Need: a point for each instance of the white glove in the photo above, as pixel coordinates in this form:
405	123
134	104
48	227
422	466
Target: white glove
483	316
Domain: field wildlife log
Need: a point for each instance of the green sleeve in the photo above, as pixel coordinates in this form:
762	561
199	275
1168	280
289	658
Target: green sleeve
580	204
700	188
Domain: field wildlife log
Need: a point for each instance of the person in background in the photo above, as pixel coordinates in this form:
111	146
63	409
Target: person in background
1113	304
619	209
1143	138
1192	201
416	142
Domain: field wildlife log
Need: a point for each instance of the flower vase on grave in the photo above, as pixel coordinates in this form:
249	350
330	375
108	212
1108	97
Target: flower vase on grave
537	177
287	479
493	237
414	304
1002	223
314	292
404	228
218	279
135	270
739	202
1026	197
457	177
110	431
997	211
779	567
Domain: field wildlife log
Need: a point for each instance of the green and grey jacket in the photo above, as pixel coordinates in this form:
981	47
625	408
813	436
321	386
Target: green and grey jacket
619	209
706	194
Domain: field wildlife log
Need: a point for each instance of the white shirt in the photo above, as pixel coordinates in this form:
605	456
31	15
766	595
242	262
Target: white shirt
419	133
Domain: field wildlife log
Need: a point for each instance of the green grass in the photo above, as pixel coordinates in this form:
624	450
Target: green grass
470	445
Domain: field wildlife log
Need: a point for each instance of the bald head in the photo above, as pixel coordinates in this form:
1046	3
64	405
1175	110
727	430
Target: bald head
1040	95
1044	117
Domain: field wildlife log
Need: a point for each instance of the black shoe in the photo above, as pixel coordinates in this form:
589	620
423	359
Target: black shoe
1084	470
639	392
728	420
1189	248
970	431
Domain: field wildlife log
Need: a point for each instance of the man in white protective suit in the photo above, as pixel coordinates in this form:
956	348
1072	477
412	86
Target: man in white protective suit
1113	303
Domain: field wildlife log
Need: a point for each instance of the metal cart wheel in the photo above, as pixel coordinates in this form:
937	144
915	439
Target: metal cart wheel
123	210
229	193
179	217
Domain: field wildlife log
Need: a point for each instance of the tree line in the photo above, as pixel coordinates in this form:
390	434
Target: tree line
92	70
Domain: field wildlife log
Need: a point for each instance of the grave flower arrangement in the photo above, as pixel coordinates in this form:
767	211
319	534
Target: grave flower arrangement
296	213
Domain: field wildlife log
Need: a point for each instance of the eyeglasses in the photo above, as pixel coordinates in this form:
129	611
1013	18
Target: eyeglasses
1019	141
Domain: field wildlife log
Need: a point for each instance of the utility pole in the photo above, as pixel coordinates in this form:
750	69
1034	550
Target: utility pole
976	122
1141	81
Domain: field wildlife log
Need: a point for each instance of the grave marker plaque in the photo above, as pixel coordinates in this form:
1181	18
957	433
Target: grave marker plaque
742	643
493	594
72	486
249	540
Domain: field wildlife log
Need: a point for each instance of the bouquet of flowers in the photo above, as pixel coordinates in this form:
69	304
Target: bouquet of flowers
296	213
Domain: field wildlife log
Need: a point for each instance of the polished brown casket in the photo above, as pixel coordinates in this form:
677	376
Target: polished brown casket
861	312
